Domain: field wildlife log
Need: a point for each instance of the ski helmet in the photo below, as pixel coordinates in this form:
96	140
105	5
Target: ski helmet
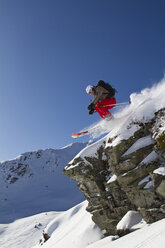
89	89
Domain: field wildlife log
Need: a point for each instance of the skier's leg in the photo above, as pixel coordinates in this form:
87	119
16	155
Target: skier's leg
100	111
103	106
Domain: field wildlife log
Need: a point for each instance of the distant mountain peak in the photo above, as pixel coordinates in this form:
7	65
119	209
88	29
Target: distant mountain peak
32	179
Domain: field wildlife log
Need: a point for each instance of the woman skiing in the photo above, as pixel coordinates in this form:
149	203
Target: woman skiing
103	99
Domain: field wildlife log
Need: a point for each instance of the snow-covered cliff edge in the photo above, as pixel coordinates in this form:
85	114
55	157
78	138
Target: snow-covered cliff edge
125	170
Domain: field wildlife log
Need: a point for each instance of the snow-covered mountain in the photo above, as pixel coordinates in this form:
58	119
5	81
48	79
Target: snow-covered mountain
33	183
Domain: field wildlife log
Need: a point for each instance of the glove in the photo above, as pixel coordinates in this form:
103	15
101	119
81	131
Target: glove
91	112
91	106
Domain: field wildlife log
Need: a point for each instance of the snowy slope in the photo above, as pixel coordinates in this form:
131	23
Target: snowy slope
33	183
74	228
25	232
150	236
71	228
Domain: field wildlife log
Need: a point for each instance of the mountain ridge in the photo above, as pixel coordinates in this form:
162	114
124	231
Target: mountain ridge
33	182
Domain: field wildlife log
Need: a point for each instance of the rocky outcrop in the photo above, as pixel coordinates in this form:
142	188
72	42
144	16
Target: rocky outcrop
126	176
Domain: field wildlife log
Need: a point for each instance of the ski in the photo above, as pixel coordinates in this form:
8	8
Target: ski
83	133
76	135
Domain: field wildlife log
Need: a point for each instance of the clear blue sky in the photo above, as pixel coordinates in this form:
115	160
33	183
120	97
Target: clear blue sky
50	50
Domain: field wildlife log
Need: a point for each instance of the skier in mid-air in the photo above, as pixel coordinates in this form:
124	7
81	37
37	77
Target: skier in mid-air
103	99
